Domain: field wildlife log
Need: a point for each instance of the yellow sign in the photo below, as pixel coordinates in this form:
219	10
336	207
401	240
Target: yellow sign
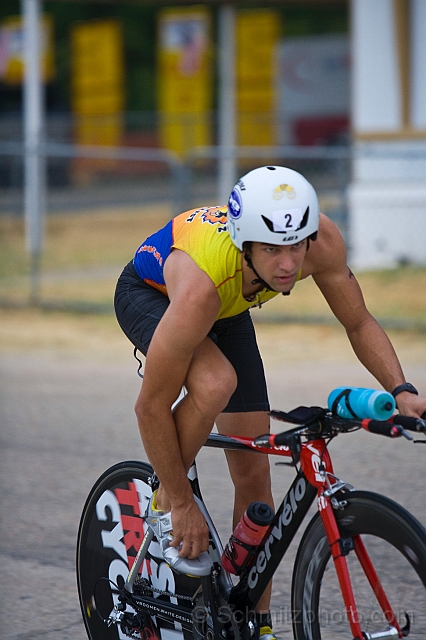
12	50
97	67
97	92
184	78
258	32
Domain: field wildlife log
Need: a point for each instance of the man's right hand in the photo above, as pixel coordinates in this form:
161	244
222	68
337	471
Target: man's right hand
190	531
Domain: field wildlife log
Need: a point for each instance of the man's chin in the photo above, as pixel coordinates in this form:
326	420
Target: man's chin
284	287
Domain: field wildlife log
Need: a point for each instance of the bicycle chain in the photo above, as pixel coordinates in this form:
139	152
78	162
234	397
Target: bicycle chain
142	582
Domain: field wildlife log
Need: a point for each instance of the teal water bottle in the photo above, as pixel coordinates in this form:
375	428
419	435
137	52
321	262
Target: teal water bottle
361	403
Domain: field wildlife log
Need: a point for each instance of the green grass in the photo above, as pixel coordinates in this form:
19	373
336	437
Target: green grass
84	253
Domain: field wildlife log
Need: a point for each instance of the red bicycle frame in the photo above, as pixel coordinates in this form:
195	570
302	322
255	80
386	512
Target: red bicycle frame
316	466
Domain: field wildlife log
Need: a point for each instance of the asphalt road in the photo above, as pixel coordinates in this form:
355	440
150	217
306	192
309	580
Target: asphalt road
65	419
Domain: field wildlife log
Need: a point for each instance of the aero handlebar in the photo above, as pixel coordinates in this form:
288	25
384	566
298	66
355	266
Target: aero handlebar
324	424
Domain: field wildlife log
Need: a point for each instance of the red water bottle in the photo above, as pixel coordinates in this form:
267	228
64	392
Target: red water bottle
248	534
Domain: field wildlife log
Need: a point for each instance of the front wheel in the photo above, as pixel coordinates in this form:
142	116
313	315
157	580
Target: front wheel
396	544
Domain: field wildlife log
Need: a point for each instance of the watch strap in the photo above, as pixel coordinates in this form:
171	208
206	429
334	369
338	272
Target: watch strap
407	386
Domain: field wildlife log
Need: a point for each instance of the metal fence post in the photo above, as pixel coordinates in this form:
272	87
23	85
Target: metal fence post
227	135
34	163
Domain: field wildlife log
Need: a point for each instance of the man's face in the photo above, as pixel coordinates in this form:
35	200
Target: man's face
278	265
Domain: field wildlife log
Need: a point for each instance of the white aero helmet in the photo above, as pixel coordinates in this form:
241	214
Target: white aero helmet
275	205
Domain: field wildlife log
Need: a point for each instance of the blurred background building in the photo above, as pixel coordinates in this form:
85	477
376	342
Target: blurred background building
333	88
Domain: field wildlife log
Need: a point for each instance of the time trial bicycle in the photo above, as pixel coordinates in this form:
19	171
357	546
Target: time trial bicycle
359	573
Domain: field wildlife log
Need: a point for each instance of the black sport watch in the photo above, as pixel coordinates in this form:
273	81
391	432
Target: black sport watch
407	386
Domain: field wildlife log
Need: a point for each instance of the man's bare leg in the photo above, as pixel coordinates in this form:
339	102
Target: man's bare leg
250	472
210	382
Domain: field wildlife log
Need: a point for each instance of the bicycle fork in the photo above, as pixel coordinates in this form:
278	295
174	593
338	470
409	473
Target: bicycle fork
317	466
339	548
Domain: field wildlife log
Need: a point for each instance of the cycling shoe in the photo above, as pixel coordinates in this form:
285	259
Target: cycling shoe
266	633
161	525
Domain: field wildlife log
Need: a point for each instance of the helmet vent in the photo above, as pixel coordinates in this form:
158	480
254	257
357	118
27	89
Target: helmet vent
269	224
304	219
271	168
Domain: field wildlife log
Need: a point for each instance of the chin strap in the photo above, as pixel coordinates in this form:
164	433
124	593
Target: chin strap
258	279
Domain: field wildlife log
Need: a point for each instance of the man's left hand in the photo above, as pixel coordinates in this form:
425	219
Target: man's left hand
410	405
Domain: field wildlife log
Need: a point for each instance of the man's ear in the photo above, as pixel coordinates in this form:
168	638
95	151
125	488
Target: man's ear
247	252
247	257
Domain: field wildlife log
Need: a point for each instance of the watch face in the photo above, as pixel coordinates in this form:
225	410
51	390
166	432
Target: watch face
411	388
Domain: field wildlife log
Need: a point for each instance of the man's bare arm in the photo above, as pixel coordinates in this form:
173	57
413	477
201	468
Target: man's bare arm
343	294
194	305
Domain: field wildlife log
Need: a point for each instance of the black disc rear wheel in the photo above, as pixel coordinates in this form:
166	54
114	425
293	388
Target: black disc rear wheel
111	531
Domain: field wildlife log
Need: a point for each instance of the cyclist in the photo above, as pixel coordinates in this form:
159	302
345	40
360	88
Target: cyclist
184	302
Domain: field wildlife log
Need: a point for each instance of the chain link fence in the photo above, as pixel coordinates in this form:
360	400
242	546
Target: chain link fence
101	202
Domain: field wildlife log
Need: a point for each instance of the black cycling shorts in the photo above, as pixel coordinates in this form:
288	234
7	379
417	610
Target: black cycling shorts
139	308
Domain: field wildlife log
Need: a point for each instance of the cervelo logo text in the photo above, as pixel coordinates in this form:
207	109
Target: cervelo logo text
126	537
316	463
290	507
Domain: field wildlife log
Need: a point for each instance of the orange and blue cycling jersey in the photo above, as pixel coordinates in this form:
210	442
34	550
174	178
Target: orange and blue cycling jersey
203	235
